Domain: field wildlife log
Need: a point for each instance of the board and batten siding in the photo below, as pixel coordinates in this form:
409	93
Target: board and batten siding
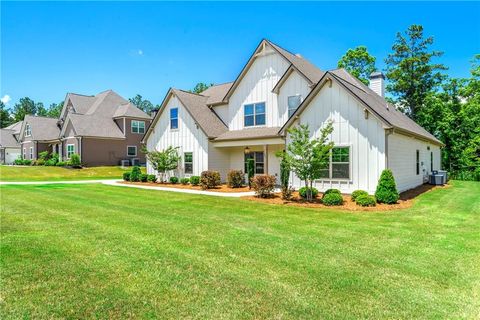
402	160
294	85
365	137
188	138
256	86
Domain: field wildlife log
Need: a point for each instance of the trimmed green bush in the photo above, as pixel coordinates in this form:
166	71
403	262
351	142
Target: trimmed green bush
184	181
250	170
44	155
75	161
61	164
173	180
18	162
54	158
328	191
303	192
194	180
386	189
209	179
152	178
235	178
366	200
264	185
358	193
143	177
135	174
39	162
27	162
332	199
126	176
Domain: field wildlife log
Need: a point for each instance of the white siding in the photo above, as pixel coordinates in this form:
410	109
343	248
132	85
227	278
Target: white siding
256	86
402	160
294	85
366	137
219	160
188	137
222	112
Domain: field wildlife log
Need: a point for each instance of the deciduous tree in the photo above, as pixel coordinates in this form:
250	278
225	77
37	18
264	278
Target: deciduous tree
359	63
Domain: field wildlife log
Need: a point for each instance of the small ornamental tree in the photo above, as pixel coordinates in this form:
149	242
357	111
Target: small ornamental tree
250	171
305	156
386	189
135	174
163	161
287	191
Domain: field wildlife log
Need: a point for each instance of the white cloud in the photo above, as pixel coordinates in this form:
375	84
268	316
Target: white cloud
6	99
140	52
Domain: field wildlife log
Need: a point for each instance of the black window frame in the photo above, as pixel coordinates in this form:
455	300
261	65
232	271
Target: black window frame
256	164
187	164
417	166
173	119
255	116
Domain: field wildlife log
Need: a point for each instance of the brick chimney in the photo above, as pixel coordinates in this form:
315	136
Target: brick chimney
377	83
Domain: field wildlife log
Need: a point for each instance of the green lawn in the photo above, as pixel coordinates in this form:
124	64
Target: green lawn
95	251
41	173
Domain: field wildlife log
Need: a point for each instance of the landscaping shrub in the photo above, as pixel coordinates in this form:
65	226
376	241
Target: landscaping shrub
27	162
75	161
43	156
126	176
303	192
53	160
358	193
173	180
152	178
386	189
209	179
143	177
264	185
61	164
135	174
332	199
235	178
328	191
194	180
366	200
250	171
39	162
18	162
287	191
184	181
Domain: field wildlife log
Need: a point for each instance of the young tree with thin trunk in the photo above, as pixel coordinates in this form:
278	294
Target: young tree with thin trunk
163	161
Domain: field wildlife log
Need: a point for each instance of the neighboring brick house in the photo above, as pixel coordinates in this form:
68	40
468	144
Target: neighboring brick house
103	129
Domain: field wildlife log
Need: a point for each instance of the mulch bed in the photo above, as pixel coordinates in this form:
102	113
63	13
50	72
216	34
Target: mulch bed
407	198
220	188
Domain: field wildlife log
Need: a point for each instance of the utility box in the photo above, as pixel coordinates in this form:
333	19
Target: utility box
444	174
436	179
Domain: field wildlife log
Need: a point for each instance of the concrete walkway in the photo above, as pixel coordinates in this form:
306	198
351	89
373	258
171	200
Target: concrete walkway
116	183
207	193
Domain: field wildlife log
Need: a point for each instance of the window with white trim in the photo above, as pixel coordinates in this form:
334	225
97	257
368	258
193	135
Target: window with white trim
24	153
338	165
28	130
132	151
293	103
174	118
188	162
138	126
70	150
31	152
254	114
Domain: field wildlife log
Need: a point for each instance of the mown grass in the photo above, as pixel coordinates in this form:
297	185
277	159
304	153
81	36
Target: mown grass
42	173
95	251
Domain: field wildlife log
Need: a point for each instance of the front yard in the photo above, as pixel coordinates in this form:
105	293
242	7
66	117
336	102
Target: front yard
42	173
95	251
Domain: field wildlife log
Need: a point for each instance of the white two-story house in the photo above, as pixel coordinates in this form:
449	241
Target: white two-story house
226	124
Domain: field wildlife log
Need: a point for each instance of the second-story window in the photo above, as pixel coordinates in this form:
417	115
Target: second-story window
254	114
174	118
293	103
28	130
138	126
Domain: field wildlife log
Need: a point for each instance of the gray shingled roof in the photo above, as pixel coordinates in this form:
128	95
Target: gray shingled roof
81	103
43	128
130	110
309	70
216	93
251	133
17	126
196	105
95	126
7	140
380	106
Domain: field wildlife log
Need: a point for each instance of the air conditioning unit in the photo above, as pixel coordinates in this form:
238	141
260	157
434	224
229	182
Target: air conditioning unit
135	162
125	163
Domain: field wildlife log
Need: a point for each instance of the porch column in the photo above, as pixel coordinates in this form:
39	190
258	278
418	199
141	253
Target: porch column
265	157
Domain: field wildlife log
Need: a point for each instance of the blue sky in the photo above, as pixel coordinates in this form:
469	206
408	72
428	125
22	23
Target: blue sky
49	49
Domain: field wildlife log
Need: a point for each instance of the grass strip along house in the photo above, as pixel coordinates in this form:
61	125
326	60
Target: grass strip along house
227	124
